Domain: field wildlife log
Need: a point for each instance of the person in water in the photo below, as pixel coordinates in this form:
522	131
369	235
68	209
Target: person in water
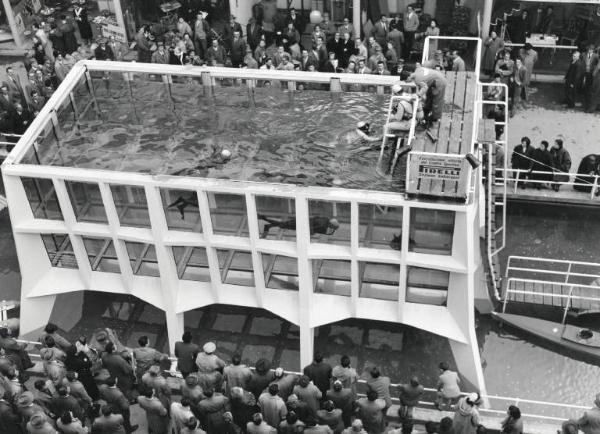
360	135
318	224
218	158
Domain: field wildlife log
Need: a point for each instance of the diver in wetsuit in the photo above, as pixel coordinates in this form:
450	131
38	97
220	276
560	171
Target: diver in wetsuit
213	161
318	224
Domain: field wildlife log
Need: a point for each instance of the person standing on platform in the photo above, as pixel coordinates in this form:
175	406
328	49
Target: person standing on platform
513	423
574	79
411	25
201	30
108	422
491	47
448	386
42	36
590	60
519	87
320	373
521	160
156	413
119	369
160	56
68	31
458	64
143	46
236	375
562	163
466	417
210	367
505	67
343	399
308	393
117	401
529	58
410	394
81	18
432	30
370	412
285	382
272	406
381	385
347	27
253	33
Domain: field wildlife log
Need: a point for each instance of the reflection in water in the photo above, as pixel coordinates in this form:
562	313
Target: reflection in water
272	136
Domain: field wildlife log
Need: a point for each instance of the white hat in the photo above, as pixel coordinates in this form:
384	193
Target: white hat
279	372
226	153
361	124
396	88
209	347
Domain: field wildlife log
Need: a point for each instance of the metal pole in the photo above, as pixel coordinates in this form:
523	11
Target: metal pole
355	17
486	18
119	15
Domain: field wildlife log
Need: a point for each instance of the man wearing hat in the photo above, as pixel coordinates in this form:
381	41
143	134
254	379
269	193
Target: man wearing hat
285	382
191	389
161	55
108	422
238	49
589	423
38	424
210	367
153	380
25	406
343	398
356	428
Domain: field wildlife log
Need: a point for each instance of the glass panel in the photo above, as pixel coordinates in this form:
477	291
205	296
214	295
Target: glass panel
102	255
228	214
329	222
276	218
380	226
379	280
181	210
427	286
60	251
42	198
143	259
333	276
236	267
131	205
192	263
431	231
281	272
66	116
86	201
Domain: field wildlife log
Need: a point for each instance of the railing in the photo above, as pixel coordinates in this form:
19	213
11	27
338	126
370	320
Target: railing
518	177
431	393
566	276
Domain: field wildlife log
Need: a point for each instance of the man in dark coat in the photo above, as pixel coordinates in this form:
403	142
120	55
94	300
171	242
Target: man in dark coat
574	78
103	51
229	30
64	402
118	368
588	168
542	162
238	50
68	32
253	33
117	401
320	373
186	352
10	422
521	158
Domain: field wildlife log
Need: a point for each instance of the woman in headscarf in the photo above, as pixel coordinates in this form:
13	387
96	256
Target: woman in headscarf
210	368
466	418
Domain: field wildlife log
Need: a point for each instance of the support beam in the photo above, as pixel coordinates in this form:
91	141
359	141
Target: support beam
35	314
307	342
486	18
467	358
356	14
10	16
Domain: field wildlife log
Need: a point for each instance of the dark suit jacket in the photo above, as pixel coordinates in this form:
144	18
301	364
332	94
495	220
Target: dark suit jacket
9	420
62	404
104	54
253	34
310	60
575	73
186	356
114	397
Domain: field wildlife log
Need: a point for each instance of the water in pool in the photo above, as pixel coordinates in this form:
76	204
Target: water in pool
276	136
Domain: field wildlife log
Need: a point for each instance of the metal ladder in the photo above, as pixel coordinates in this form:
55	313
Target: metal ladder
400	140
495	193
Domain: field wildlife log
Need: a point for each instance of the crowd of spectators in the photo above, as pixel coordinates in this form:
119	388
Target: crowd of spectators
90	386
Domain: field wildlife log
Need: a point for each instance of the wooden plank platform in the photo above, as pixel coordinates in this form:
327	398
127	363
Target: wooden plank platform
486	131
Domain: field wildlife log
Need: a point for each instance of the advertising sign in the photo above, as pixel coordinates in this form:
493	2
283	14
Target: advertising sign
113	30
438	175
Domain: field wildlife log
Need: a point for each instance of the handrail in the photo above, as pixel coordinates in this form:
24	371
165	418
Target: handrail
546	282
562	261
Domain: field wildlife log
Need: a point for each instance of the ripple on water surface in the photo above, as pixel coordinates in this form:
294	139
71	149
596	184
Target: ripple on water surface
278	136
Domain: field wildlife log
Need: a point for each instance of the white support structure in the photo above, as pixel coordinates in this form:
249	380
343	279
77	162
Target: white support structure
452	318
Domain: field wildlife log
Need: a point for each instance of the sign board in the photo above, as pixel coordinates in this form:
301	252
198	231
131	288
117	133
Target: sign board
116	31
441	175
